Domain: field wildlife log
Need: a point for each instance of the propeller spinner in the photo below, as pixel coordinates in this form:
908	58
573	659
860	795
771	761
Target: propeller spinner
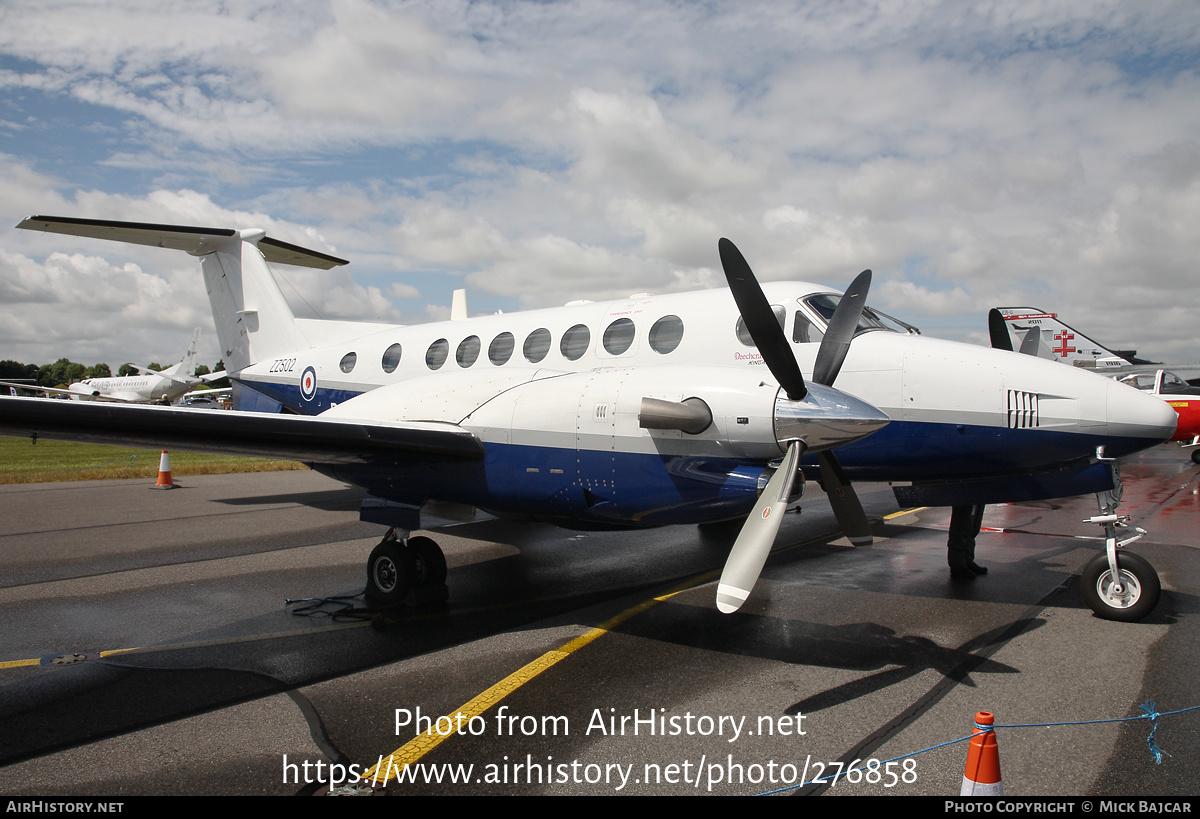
811	416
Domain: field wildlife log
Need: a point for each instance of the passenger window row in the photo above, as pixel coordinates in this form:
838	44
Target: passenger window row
618	337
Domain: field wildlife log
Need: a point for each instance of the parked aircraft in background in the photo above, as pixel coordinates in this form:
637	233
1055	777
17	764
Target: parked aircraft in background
1035	332
163	386
651	410
1182	396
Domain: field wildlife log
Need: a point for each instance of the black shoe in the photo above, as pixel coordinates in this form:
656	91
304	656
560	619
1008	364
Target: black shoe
961	573
975	567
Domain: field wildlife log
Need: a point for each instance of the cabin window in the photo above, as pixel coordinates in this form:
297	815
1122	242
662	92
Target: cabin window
743	334
391	358
435	356
666	334
804	331
468	351
537	344
501	349
575	342
618	336
348	361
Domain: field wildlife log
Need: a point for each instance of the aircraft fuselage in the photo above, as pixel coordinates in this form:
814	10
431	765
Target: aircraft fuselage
555	395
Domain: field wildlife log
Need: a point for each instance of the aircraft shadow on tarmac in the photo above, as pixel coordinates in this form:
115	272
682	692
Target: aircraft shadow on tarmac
63	707
345	499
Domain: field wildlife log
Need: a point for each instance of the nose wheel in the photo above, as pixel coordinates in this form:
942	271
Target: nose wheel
410	571
1118	585
1127	595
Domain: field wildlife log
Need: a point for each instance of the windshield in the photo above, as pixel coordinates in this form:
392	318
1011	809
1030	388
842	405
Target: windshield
872	319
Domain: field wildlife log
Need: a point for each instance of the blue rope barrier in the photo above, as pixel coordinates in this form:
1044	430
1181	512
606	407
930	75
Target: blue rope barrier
1149	711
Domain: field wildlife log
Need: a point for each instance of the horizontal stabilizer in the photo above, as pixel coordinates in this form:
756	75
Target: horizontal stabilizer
262	435
176	237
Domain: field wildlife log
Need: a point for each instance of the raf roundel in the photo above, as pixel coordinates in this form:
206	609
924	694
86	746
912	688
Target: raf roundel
308	383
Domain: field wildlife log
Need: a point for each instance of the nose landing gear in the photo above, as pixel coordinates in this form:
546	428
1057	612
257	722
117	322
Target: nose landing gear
409	571
1124	587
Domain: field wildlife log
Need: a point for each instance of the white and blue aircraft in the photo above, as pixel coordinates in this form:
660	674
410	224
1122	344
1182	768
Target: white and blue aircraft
646	411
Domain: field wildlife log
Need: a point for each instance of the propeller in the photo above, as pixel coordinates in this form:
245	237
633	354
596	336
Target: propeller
754	541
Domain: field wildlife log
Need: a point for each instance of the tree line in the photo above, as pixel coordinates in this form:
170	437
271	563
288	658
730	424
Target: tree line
65	372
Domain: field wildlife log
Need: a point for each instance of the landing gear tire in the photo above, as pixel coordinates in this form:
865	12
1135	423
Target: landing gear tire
1139	593
1196	456
390	572
429	560
429	578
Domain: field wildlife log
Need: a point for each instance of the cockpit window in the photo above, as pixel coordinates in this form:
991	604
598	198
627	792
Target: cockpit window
1174	385
872	319
1140	381
743	334
804	331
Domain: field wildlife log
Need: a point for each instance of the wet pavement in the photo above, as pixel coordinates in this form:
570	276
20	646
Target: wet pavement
146	648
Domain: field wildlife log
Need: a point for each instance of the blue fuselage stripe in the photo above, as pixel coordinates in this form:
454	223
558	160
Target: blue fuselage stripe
647	489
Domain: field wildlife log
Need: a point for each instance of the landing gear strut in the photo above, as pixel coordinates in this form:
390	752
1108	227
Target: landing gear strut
412	570
1124	587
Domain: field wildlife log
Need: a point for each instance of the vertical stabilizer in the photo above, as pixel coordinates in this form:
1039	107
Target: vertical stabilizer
254	322
187	365
1035	332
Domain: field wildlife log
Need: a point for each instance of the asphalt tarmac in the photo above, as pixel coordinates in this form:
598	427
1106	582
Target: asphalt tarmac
146	648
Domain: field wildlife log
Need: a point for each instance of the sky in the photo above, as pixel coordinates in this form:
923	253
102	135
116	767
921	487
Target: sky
973	155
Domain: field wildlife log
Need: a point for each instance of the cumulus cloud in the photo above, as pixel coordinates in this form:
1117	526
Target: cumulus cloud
543	152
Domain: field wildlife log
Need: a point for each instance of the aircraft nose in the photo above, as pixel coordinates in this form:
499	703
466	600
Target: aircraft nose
1136	414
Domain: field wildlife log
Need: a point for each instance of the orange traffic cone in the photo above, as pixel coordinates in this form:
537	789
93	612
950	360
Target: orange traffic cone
164	472
982	776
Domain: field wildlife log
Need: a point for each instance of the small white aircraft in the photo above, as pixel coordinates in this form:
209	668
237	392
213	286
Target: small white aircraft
162	386
646	411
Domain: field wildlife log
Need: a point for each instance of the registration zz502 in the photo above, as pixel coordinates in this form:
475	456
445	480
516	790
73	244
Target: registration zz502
889	774
283	365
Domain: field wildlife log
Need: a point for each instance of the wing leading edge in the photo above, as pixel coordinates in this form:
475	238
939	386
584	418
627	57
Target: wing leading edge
293	437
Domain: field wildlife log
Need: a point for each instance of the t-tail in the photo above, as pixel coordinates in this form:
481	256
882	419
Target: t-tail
187	365
254	322
1034	332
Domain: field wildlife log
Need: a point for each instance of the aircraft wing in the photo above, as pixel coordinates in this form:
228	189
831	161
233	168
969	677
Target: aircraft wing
33	387
263	435
90	396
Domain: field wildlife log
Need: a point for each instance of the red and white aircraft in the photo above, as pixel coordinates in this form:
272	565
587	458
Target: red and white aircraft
646	411
1035	332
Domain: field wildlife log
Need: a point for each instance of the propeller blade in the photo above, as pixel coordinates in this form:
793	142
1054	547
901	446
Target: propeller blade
761	322
846	506
754	542
842	326
997	331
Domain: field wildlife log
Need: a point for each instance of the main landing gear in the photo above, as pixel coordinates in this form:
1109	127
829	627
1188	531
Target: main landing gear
410	570
1123	587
